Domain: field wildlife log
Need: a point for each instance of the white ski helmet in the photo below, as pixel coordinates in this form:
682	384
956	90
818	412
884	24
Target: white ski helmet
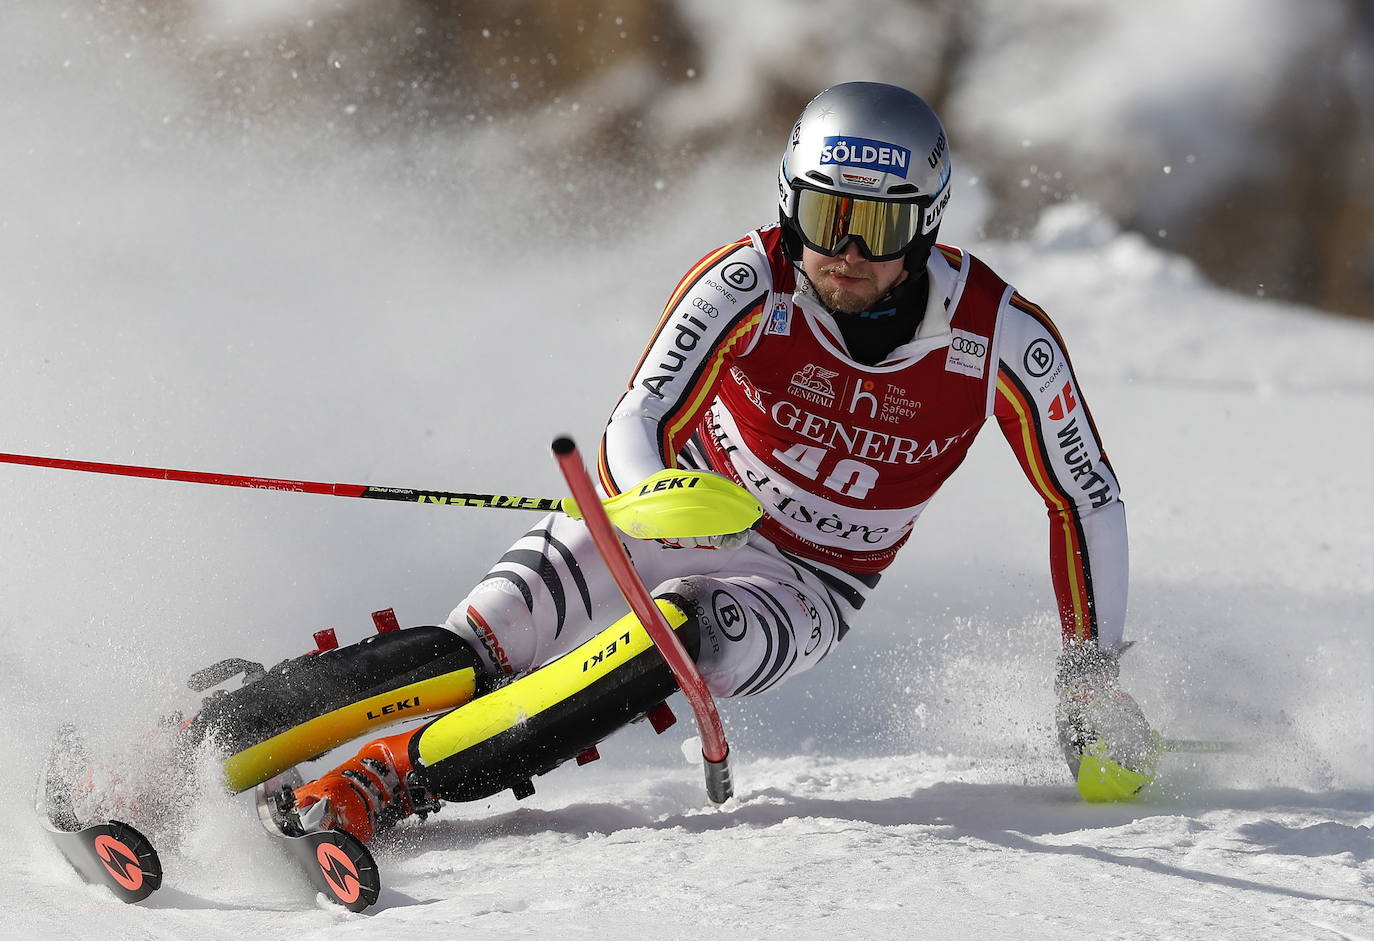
867	163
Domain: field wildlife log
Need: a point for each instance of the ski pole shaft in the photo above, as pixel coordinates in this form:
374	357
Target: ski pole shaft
714	748
1202	746
365	491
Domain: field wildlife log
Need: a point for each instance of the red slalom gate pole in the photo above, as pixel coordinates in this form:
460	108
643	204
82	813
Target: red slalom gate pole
714	748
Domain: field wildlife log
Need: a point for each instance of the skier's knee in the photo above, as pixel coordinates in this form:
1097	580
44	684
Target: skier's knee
718	624
680	595
753	633
495	620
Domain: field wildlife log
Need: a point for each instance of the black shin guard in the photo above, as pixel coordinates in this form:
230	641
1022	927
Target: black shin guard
555	713
301	708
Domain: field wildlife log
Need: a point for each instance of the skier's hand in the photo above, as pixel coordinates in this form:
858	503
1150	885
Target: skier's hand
1108	744
727	541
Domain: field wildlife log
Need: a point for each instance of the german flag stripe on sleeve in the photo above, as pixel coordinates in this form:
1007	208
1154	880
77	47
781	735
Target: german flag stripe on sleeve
1038	314
677	425
603	469
689	281
687	407
607	481
1069	566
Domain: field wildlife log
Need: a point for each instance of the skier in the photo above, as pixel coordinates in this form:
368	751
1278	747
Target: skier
836	365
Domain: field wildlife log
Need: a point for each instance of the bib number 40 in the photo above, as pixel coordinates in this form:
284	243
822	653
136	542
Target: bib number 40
849	478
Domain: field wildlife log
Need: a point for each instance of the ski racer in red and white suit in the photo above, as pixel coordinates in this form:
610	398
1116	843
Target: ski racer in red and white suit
747	375
838	366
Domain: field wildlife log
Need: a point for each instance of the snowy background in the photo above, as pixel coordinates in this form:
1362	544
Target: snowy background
183	286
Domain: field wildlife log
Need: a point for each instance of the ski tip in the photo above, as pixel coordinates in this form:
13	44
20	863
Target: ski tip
112	854
563	445
132	867
338	865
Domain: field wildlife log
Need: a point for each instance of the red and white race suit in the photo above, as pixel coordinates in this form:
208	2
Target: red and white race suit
747	374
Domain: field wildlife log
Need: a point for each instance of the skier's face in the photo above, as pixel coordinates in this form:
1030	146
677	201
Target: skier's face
850	282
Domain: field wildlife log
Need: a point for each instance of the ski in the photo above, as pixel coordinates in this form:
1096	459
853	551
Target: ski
113	854
109	853
117	855
336	863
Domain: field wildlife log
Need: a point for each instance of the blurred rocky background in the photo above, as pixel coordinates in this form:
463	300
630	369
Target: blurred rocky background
1237	132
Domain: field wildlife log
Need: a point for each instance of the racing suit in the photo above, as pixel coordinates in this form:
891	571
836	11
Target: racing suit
747	374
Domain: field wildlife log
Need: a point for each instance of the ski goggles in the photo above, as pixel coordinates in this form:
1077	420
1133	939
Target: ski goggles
882	231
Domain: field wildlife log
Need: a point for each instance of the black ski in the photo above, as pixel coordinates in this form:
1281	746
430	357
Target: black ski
335	862
111	854
337	865
115	854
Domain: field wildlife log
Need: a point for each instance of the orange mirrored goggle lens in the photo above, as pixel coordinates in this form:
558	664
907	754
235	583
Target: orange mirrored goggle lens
882	230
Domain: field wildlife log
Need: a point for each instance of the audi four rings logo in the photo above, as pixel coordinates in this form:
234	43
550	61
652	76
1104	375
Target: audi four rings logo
706	307
965	345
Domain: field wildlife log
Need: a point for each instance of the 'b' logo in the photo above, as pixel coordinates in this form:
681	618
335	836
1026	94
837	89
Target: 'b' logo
728	615
1039	358
740	275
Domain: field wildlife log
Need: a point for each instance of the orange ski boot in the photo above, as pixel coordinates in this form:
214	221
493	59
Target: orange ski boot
369	793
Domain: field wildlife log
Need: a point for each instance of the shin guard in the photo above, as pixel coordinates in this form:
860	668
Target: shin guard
544	718
301	708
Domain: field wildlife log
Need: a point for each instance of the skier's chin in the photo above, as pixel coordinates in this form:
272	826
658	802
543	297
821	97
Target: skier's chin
849	300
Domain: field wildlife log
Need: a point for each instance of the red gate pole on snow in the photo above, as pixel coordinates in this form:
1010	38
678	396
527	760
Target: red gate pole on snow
714	748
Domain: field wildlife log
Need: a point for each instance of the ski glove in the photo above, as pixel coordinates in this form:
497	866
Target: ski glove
726	541
1108	744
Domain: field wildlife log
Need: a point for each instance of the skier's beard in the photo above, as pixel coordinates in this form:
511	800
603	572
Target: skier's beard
854	297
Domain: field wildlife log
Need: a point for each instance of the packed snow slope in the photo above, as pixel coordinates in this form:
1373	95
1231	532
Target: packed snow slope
257	304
